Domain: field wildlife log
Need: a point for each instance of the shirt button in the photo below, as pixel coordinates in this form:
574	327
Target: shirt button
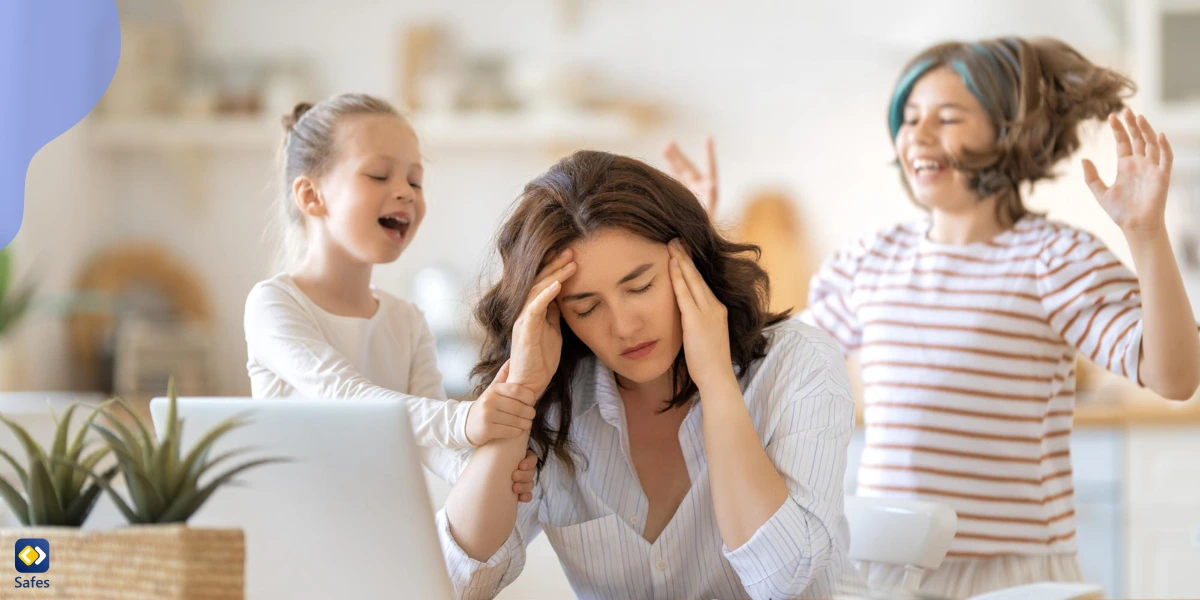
661	565
635	520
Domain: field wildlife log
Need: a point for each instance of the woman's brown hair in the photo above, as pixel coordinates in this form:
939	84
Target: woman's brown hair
1036	92
579	196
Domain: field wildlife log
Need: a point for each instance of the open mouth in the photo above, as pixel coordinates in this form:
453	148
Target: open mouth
927	168
396	227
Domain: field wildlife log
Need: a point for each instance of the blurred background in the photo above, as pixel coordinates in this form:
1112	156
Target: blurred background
147	223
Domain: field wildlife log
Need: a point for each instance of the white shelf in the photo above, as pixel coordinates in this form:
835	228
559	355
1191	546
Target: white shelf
470	131
160	133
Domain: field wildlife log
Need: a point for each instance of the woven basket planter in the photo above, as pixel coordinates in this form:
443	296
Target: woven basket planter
140	562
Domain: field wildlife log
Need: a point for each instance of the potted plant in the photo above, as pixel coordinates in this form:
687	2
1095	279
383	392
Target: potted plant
14	301
158	556
55	492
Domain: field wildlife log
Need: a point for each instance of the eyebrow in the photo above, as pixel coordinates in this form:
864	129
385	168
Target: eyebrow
393	160
942	105
634	274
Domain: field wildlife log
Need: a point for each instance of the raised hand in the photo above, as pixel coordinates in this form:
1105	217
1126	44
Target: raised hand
1137	200
537	339
703	185
705	321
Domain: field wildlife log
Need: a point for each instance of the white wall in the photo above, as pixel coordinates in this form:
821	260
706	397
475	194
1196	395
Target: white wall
794	92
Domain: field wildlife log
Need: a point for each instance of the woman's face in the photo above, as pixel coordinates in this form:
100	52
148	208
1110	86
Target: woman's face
620	303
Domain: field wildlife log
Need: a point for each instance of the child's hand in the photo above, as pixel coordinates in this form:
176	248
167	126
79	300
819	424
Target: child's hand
523	477
703	185
504	410
1137	200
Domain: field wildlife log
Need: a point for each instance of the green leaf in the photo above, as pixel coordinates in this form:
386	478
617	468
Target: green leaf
132	469
144	430
15	502
119	449
12	310
135	445
61	474
112	493
5	272
45	507
186	505
90	462
152	503
168	449
81	507
16	467
32	449
205	443
78	442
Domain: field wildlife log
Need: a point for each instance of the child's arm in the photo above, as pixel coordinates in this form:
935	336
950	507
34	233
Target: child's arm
498	413
1170	349
501	407
830	297
281	337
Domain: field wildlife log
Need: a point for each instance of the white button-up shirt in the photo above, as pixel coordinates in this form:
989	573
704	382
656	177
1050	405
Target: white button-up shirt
800	402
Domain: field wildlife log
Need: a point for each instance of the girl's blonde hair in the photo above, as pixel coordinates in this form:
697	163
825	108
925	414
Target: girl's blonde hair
309	149
1036	92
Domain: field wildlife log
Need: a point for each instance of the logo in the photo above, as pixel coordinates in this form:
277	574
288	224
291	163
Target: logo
32	555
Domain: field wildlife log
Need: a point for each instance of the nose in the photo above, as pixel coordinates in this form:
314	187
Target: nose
625	323
406	194
921	132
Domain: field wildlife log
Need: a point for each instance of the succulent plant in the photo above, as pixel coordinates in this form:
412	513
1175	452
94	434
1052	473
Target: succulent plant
164	485
13	302
56	493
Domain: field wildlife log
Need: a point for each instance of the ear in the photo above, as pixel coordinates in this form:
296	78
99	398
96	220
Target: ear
307	196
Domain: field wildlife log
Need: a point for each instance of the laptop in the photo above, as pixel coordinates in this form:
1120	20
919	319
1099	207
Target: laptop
349	517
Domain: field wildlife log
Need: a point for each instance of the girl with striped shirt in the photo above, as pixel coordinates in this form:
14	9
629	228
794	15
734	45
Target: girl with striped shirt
968	324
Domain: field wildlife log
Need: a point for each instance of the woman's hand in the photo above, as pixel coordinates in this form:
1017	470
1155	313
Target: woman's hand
1137	200
705	323
703	185
537	338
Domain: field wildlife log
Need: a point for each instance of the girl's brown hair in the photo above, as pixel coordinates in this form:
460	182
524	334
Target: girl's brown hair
579	196
1036	92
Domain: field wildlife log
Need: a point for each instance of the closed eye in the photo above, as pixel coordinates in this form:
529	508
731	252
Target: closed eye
643	289
589	311
415	186
378	177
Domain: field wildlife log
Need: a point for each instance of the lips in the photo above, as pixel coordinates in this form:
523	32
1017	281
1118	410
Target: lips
926	168
396	225
639	351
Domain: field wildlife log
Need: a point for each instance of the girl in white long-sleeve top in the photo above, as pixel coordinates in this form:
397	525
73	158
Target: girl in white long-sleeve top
353	199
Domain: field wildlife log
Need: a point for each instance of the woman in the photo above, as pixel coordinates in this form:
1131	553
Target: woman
691	444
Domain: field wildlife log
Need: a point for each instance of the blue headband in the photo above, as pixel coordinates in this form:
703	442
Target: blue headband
905	86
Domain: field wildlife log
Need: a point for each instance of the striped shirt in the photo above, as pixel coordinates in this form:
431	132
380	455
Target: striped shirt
800	402
968	365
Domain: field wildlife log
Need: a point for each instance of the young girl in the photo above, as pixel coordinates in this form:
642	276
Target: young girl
353	199
968	324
